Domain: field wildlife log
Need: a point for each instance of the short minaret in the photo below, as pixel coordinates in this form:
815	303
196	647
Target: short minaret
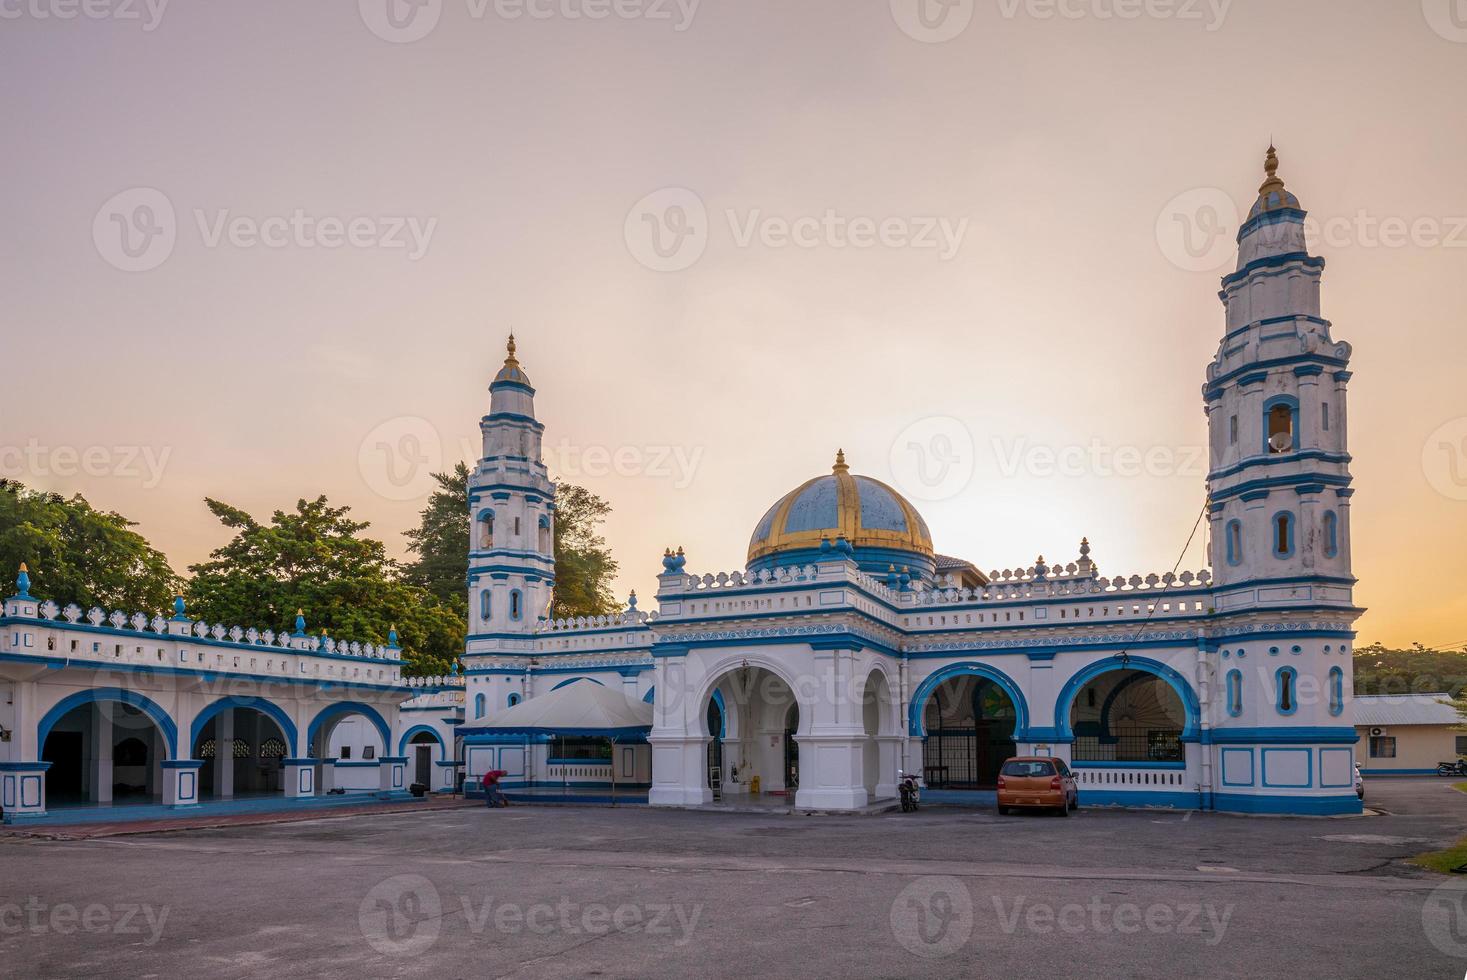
1279	479
511	514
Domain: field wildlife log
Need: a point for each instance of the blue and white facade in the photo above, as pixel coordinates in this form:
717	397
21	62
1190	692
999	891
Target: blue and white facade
848	649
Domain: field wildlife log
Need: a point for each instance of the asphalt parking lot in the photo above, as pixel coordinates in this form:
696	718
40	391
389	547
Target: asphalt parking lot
631	892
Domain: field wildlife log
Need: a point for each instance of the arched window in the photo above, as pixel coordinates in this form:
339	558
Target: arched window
486	529
1288	699
1235	693
1331	534
1280	425
1283	535
478	705
1234	537
546	541
485	605
272	748
514	605
1336	690
514	698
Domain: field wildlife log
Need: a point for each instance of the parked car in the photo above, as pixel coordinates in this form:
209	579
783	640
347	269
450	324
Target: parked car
1359	782
1037	782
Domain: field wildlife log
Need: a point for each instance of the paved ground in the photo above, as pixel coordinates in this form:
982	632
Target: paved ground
632	892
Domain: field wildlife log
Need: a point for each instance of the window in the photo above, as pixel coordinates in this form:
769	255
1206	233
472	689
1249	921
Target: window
485	605
1281	430
1324	416
1233	430
478	705
516	527
486	529
346	752
514	699
1235	693
1382	747
1288	698
1462	744
1283	535
1030	768
1331	534
369	752
272	748
514	605
1234	537
547	543
1336	690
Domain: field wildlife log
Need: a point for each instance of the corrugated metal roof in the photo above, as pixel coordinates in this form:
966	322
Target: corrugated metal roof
1405	709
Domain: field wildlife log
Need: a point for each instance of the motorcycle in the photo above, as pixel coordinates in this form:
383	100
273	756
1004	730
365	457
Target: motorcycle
910	792
1458	768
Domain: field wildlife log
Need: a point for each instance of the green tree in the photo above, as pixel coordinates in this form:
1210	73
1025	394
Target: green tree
584	566
316	559
78	554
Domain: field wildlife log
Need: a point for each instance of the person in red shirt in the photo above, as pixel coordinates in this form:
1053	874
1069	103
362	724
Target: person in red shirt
492	796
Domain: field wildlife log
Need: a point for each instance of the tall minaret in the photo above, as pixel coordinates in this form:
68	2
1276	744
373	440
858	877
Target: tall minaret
511	515
1279	480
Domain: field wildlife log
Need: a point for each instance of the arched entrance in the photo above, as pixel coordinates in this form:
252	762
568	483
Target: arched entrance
348	732
750	717
716	733
105	746
970	722
242	748
1127	715
422	749
879	755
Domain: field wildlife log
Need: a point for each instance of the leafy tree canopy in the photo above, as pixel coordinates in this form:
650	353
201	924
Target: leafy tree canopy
1419	670
315	558
78	554
584	566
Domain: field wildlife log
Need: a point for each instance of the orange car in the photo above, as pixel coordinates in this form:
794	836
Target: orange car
1039	781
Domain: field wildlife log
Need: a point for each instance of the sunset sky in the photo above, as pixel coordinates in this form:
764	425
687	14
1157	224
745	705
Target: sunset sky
985	264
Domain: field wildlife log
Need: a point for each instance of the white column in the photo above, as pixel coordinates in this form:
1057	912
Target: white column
224	754
101	768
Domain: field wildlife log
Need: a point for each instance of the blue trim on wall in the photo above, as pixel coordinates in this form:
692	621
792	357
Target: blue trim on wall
571	680
1303	805
1178	683
268	708
348	708
407	736
917	708
161	718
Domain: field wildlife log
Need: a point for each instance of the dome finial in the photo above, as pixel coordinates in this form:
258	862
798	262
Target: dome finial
509	350
840	462
1272	181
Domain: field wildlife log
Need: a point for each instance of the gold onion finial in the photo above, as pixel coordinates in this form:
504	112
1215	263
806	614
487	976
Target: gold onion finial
1272	181
509	348
840	462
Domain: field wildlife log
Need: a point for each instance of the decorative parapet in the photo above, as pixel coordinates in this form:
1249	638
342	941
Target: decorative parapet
1008	586
179	626
437	682
631	619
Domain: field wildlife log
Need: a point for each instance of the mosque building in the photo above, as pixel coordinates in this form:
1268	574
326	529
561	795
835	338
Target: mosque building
846	650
